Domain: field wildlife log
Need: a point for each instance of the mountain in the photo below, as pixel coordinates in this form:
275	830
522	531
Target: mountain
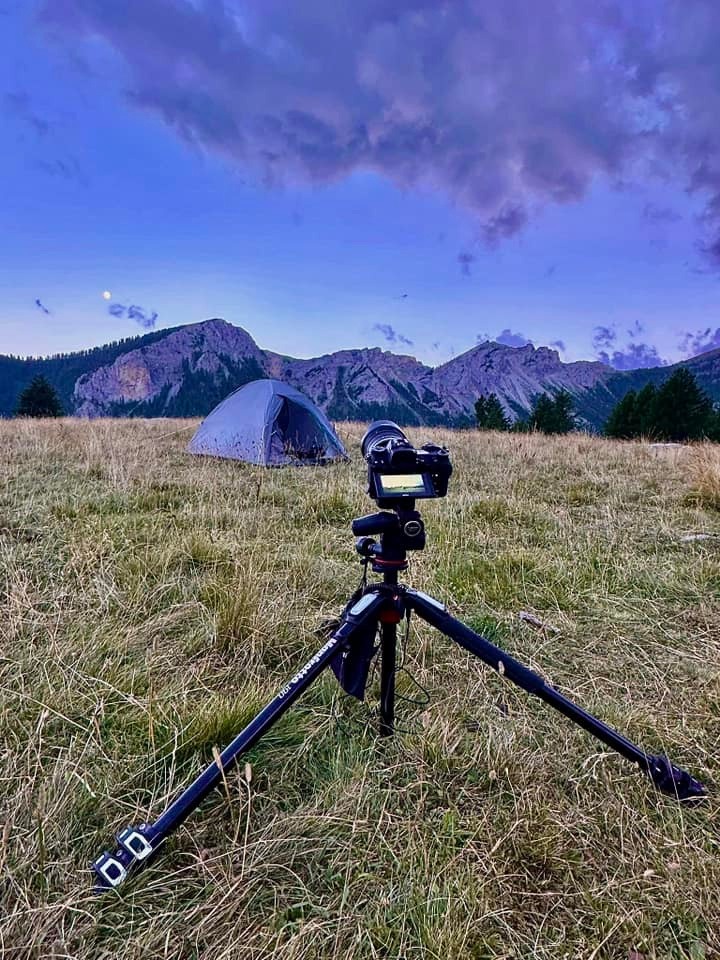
186	371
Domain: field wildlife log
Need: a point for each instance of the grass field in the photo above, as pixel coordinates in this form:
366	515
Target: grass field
152	602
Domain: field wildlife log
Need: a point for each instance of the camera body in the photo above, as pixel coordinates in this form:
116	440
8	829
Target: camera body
398	472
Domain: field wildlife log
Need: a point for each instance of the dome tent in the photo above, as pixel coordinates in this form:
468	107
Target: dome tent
270	423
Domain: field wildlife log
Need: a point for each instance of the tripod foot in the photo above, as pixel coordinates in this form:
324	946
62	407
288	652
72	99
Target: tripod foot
672	780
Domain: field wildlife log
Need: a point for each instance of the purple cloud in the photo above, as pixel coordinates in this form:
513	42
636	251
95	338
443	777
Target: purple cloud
694	343
634	357
447	96
391	334
510	339
604	337
143	318
558	344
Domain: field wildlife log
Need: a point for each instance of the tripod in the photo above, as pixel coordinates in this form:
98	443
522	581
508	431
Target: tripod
349	652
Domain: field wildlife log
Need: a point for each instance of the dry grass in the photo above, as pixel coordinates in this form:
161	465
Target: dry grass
704	470
152	601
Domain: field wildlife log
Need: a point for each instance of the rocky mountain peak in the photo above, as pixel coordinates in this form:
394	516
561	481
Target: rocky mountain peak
139	376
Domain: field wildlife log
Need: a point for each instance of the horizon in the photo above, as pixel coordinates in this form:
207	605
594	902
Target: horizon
383	349
380	176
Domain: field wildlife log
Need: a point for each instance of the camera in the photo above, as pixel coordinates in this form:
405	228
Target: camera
398	473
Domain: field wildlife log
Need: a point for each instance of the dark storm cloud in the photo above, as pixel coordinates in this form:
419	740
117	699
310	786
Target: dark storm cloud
700	342
510	339
391	334
143	318
447	96
634	357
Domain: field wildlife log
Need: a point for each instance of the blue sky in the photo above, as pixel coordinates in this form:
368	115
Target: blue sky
131	165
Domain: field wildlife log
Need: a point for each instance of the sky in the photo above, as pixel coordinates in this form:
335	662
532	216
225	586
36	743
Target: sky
418	175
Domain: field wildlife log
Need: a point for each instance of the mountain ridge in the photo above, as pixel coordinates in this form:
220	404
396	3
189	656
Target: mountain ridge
186	370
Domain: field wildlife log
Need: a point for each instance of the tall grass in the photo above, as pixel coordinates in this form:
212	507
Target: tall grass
152	602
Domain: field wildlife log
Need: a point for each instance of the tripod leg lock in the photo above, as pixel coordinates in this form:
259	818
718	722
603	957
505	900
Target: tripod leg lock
672	780
134	846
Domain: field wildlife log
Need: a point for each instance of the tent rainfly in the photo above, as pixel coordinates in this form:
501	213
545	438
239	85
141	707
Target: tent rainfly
270	423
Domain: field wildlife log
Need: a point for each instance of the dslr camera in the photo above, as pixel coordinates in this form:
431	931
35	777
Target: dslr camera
399	473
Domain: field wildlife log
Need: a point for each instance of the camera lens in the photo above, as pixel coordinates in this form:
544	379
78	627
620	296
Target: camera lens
379	433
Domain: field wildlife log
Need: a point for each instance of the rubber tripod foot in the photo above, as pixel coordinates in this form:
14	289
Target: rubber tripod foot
673	781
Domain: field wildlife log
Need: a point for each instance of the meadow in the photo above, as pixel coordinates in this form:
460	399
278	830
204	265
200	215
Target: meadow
152	602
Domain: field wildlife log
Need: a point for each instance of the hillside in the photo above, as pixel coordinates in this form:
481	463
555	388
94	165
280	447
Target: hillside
186	371
153	602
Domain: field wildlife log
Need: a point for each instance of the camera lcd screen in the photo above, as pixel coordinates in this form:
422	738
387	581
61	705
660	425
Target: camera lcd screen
404	485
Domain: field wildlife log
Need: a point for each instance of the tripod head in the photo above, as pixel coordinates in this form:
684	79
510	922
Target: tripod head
399	531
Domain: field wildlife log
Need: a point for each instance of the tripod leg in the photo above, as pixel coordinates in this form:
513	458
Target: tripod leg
138	844
387	679
665	775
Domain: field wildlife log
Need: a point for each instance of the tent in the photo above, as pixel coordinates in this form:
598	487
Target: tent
268	422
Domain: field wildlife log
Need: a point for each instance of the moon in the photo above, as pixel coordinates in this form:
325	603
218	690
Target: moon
106	295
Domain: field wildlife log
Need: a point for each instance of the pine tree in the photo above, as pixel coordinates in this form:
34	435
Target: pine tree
552	415
623	421
683	411
38	399
490	414
495	418
713	427
645	412
564	421
541	416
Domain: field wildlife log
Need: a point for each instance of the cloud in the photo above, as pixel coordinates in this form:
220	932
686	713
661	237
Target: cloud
604	337
700	342
41	306
466	260
451	97
391	335
634	357
510	339
143	318
558	344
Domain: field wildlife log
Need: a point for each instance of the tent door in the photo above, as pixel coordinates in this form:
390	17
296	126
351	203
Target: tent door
296	434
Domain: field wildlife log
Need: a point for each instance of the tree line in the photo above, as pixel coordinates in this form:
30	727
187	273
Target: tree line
677	410
549	414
